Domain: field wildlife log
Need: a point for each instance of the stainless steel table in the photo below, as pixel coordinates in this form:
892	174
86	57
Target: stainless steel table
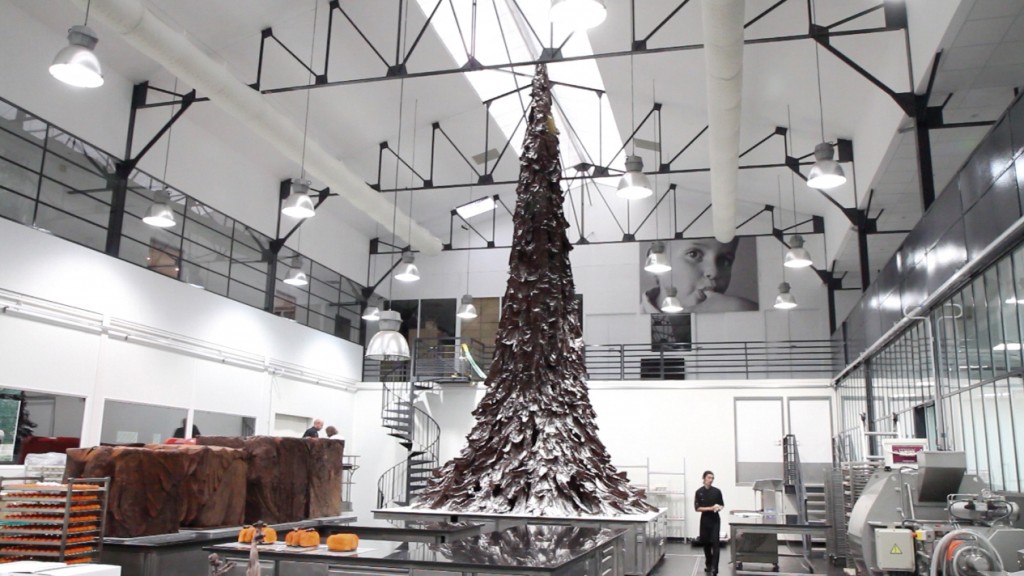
520	550
755	537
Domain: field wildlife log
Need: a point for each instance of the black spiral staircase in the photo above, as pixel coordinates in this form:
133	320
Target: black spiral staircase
416	431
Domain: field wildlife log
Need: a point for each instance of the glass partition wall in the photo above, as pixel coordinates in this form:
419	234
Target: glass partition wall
55	182
973	401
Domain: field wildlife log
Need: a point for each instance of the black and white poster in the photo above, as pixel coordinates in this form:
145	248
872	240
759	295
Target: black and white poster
708	276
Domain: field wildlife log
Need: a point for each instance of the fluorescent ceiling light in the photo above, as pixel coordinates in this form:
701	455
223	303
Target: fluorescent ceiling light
476	207
1013	300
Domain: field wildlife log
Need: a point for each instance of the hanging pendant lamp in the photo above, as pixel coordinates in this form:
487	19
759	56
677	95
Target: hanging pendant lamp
388	344
160	213
296	275
797	256
826	172
407	270
76	64
578	14
785	300
634	184
371	313
467	311
670	304
657	262
299	204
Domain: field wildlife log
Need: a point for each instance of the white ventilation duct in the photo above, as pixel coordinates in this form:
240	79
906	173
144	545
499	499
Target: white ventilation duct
723	55
151	36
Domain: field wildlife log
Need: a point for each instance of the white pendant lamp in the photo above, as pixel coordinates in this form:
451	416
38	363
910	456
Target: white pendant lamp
670	304
296	275
634	184
407	270
160	213
371	313
657	262
785	300
797	256
388	344
826	172
76	64
578	14
299	204
467	311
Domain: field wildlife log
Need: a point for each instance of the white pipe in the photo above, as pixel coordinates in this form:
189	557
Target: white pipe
152	37
723	56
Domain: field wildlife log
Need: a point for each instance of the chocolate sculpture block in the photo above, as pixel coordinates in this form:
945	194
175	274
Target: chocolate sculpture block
288	479
156	489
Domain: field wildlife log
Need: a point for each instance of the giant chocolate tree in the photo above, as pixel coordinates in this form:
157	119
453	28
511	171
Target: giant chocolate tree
534	448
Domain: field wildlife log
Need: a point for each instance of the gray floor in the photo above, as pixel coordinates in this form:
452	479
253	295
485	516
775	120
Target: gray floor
684	559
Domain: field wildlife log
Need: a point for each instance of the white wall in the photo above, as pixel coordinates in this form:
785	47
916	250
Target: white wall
608	276
42	356
673	424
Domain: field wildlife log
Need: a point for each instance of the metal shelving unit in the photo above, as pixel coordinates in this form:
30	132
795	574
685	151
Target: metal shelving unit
666	490
349	465
52	521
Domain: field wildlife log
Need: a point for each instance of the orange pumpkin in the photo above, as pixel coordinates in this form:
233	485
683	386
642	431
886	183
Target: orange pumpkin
292	539
342	542
246	534
309	538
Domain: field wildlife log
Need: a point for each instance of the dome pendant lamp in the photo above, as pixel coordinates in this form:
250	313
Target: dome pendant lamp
657	262
76	64
407	271
467	311
671	304
160	214
826	172
296	275
797	256
785	300
388	344
299	204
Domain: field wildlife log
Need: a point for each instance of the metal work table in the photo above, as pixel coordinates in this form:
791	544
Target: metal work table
644	539
755	537
409	531
541	550
181	554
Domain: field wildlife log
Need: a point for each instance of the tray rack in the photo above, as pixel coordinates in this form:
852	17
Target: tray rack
61	522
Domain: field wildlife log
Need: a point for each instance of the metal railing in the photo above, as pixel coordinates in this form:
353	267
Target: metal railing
445	358
416	430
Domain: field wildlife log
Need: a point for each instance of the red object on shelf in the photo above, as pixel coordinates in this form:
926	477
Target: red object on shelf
45	444
180	441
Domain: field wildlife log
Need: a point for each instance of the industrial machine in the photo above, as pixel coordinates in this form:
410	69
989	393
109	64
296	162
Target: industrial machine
934	520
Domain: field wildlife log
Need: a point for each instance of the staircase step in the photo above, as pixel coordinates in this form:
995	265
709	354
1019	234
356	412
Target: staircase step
403	437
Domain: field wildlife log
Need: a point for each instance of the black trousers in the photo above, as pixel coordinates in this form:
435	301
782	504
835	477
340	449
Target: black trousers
710	528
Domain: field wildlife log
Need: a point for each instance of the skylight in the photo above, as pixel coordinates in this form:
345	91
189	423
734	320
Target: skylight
583	138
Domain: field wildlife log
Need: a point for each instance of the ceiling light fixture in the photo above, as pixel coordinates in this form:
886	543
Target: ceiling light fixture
299	204
826	172
476	207
797	256
657	262
407	270
1007	347
388	344
371	313
634	184
467	311
76	64
578	14
785	300
296	275
160	213
670	303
